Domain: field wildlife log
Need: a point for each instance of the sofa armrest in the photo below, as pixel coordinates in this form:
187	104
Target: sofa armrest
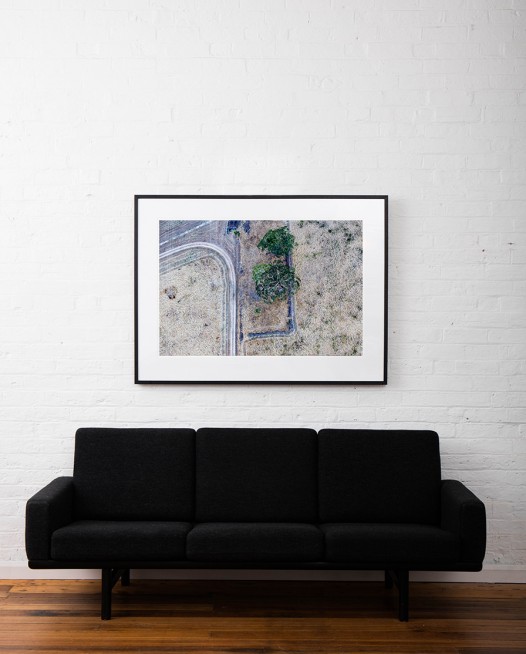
464	515
47	510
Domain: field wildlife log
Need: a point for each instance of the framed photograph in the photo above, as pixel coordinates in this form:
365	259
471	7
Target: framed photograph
261	289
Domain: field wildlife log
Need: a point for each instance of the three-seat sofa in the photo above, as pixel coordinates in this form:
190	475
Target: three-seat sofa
256	499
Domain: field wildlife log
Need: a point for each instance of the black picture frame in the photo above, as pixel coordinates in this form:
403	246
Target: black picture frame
212	221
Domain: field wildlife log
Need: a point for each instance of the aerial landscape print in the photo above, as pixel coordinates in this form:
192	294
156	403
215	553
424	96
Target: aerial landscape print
260	288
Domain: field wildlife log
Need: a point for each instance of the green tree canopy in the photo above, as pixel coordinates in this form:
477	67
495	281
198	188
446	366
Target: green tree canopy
278	241
274	281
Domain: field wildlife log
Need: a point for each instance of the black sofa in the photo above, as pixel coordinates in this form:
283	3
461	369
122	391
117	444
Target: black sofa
340	499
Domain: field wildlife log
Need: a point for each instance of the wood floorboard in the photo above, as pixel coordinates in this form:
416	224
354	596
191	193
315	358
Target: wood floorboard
256	617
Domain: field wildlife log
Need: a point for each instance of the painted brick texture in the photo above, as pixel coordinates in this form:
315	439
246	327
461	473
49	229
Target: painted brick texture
424	101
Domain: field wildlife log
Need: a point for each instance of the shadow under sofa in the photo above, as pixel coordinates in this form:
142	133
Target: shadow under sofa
255	498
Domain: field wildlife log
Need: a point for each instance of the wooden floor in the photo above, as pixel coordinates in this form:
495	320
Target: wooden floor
254	617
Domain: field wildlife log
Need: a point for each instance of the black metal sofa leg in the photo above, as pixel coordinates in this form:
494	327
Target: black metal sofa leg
109	578
403	595
401	579
105	606
125	578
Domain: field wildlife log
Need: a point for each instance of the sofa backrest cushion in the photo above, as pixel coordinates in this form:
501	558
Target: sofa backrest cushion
256	475
379	476
134	474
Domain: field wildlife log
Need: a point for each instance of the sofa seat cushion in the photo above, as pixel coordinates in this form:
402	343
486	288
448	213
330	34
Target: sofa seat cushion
109	540
251	542
365	543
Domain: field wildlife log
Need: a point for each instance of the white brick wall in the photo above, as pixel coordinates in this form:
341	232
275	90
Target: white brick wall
422	100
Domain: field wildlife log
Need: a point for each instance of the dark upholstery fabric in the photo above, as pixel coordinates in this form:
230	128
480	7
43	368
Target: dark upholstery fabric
256	475
47	510
99	540
465	515
389	543
257	541
134	474
381	500
370	475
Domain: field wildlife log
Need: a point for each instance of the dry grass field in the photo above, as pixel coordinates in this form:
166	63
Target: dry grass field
323	319
327	258
191	307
